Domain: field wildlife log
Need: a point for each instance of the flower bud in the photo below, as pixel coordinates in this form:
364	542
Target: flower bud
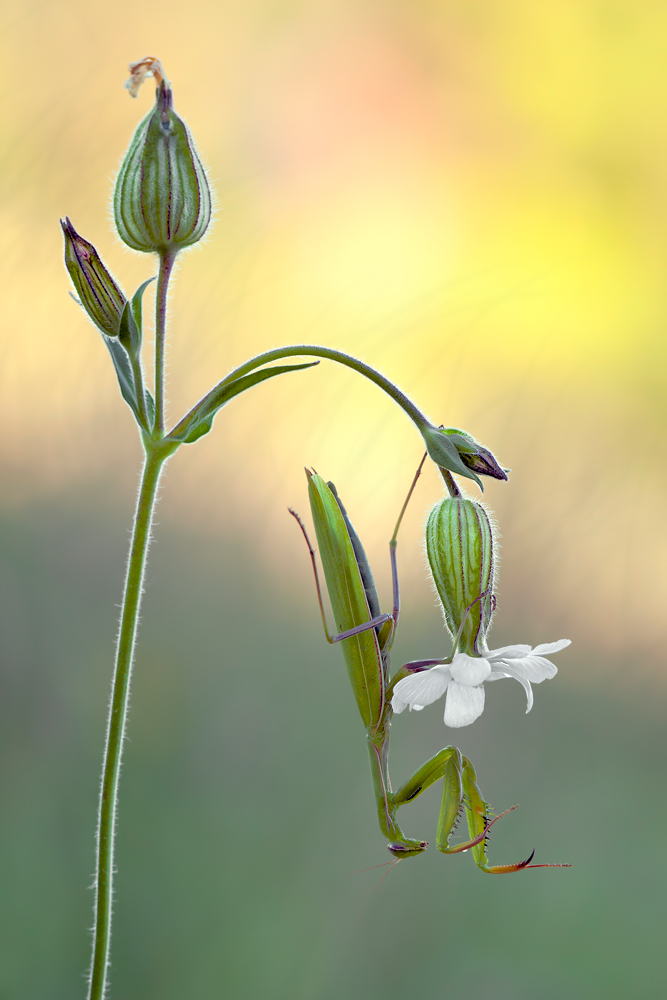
162	201
99	294
458	452
459	544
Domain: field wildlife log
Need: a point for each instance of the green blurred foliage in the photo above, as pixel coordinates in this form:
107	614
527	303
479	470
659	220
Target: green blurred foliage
246	807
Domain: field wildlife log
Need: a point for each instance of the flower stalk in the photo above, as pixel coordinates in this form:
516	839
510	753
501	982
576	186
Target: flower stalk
167	259
117	716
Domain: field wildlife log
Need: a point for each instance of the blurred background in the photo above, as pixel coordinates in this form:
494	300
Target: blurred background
471	196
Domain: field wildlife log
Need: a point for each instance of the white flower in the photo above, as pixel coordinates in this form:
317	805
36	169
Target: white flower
463	680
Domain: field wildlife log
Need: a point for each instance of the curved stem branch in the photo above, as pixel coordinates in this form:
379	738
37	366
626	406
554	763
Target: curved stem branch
116	722
315	351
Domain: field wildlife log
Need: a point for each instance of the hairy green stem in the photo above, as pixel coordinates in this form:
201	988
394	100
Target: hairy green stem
157	451
167	259
450	483
315	351
117	716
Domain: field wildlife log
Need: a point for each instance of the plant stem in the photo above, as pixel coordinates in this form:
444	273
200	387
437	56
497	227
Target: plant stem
450	483
315	351
167	259
157	451
117	716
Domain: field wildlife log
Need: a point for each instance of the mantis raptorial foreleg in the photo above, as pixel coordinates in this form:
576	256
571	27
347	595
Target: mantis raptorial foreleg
460	793
453	768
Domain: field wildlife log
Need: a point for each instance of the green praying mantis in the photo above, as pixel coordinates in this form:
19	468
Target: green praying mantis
366	635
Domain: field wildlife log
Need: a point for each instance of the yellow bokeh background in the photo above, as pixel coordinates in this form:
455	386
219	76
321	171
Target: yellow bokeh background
469	196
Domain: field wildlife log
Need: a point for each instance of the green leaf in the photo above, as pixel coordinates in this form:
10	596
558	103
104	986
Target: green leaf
442	449
461	441
121	363
198	431
200	420
128	332
130	329
150	408
137	300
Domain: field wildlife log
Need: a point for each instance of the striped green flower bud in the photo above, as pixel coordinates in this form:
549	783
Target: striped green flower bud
162	201
99	294
459	544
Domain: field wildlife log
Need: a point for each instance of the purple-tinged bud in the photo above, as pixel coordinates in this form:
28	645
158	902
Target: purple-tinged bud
474	456
459	545
99	294
162	201
458	452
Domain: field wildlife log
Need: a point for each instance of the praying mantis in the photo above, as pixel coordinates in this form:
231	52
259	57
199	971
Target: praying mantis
365	635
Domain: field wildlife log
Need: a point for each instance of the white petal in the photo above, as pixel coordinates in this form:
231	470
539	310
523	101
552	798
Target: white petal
525	684
507	652
551	647
421	689
531	668
497	675
464	705
397	705
470	670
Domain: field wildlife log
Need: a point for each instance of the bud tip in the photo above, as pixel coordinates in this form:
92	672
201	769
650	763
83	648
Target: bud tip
148	66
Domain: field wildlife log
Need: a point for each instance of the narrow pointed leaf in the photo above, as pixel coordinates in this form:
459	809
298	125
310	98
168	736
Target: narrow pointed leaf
128	332
150	408
200	420
121	363
137	301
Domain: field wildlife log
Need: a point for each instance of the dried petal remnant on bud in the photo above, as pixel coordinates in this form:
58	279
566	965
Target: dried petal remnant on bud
99	294
148	66
162	201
